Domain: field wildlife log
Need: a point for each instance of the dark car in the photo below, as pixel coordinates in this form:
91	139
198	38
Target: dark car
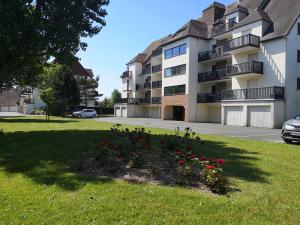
291	130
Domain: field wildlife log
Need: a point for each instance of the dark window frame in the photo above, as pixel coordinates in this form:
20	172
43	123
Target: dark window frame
298	56
298	83
175	90
169	53
298	28
175	71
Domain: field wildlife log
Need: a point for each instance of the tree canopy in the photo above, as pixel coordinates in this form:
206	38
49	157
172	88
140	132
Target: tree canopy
32	31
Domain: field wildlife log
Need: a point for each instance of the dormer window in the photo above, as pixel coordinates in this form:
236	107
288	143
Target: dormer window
232	20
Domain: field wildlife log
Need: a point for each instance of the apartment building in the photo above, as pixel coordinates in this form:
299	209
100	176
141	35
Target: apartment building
236	65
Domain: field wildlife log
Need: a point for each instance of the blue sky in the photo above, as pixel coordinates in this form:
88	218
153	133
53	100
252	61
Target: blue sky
131	26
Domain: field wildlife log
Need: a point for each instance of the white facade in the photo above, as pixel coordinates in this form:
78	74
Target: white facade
252	83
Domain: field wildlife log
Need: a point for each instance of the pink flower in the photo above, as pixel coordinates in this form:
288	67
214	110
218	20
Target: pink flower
220	161
182	162
192	156
211	167
179	152
202	158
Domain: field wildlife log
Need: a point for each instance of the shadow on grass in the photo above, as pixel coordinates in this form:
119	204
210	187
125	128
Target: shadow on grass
47	157
34	120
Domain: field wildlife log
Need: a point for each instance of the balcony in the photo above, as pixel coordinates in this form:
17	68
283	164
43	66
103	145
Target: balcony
212	76
249	68
156	84
156	69
143	101
145	86
157	52
146	71
222	29
156	100
126	101
265	93
126	74
245	43
217	53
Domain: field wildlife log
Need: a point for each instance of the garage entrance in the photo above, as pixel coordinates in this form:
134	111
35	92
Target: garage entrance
234	115
259	116
178	113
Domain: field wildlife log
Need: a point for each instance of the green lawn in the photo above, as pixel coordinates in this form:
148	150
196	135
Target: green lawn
35	187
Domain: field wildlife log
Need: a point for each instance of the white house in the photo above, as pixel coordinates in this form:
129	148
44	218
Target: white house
237	65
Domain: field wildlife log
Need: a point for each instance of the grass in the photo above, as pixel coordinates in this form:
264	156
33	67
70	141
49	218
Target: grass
35	187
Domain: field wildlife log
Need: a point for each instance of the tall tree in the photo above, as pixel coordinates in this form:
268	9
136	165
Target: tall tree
115	95
66	91
88	90
59	89
32	31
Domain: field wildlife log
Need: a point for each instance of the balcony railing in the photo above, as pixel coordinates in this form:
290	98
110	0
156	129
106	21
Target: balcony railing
265	93
138	101
244	68
126	101
126	74
156	100
240	42
140	87
156	84
156	69
146	70
157	52
212	54
223	28
212	75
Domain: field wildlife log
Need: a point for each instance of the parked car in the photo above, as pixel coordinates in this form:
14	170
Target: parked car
291	130
85	113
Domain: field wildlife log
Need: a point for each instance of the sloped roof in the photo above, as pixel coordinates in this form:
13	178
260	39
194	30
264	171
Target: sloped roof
194	28
256	15
146	54
235	7
284	14
90	71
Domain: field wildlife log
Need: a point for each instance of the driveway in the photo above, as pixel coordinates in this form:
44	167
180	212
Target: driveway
10	114
262	134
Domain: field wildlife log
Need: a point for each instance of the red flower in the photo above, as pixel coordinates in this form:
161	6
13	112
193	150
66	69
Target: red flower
213	160
181	162
192	156
221	161
179	152
202	158
211	167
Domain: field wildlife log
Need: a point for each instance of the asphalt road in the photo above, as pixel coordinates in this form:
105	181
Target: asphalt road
262	134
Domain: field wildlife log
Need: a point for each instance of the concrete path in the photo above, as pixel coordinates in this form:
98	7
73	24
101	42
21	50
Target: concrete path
263	134
10	114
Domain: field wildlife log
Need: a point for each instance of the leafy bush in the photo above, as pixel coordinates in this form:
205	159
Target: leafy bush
1	132
129	148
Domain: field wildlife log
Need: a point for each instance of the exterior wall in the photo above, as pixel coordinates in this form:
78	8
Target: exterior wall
176	61
293	72
195	46
169	101
233	15
277	117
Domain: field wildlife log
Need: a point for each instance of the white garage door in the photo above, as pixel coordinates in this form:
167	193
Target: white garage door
259	116
214	114
234	115
124	111
118	112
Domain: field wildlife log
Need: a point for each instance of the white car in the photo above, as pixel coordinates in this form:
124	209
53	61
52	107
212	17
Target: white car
85	113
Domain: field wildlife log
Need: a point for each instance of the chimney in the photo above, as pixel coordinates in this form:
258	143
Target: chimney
214	12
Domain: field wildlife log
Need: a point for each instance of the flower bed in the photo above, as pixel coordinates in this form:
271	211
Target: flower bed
139	156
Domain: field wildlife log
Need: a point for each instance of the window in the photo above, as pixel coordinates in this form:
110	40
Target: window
298	83
175	90
232	20
173	52
174	71
298	56
298	28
